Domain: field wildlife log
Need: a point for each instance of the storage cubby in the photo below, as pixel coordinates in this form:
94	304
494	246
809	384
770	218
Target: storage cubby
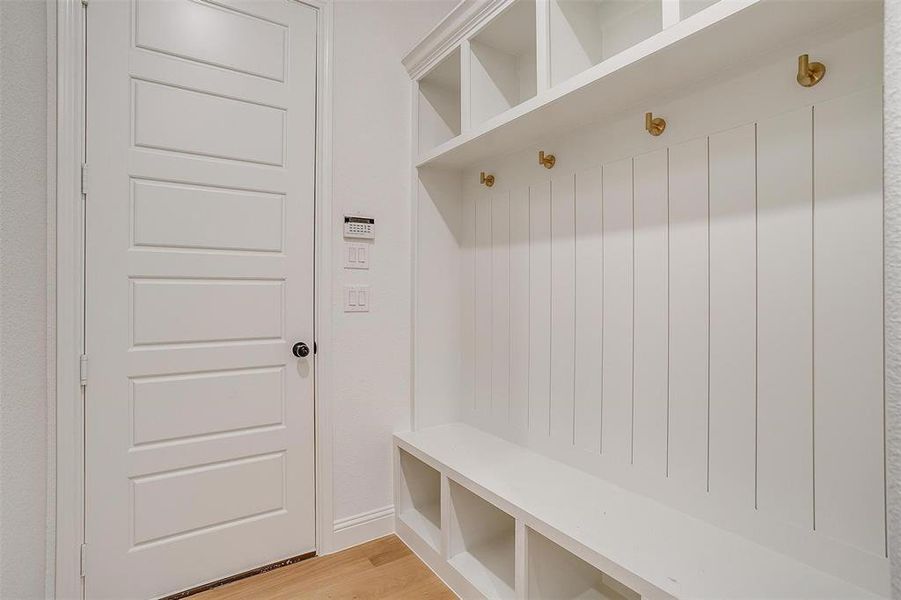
688	8
419	503
584	33
482	543
439	103
503	70
553	572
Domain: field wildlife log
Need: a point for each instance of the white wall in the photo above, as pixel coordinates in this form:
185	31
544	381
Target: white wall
23	298
371	152
892	118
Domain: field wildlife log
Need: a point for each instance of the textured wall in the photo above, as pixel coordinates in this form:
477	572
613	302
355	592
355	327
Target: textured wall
371	367
893	282
23	298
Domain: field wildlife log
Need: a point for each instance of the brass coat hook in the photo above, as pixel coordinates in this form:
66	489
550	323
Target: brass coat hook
487	180
810	73
654	125
546	160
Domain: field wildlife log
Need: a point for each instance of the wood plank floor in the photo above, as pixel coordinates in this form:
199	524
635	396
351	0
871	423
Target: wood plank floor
381	569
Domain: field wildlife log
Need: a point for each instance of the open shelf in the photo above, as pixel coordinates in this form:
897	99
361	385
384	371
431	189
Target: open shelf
482	543
584	33
736	29
503	71
553	572
439	103
420	499
688	8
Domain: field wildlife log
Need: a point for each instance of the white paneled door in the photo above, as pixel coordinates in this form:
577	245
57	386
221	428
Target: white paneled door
199	281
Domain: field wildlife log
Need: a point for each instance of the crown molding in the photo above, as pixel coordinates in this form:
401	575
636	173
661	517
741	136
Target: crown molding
447	34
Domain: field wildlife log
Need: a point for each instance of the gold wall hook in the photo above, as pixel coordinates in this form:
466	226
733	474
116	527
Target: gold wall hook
810	73
487	180
655	126
546	160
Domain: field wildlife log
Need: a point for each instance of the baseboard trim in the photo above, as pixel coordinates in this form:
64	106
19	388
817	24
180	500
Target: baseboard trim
361	528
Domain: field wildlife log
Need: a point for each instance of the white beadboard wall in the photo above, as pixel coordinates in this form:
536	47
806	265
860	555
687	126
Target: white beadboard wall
699	316
708	313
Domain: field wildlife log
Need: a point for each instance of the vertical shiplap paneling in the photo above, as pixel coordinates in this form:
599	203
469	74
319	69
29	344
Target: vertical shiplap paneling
500	306
519	308
848	359
483	304
688	314
712	311
563	317
539	307
589	309
733	315
468	298
785	318
651	310
616	416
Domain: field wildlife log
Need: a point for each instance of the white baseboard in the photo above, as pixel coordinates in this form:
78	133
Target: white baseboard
364	527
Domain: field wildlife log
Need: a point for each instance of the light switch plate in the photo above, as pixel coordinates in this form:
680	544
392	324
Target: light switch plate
357	298
356	256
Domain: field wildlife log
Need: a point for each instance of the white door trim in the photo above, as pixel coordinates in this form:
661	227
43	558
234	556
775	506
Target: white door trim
69	280
68	275
322	322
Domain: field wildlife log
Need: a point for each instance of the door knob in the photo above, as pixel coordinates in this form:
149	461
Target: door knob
301	350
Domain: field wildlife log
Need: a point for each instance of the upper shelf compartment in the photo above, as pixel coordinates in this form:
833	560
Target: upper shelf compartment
502	67
439	102
584	33
688	8
627	77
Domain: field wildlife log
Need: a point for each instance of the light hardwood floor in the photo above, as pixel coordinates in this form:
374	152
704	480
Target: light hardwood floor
381	569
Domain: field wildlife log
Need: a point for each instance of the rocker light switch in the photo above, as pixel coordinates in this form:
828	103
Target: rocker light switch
356	256
356	298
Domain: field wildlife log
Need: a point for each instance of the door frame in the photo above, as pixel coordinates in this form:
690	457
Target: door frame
66	478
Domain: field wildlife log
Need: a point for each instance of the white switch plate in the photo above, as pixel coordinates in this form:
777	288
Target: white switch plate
356	256
357	298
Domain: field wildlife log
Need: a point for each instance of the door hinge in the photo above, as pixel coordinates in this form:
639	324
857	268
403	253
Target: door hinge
83	559
84	179
83	368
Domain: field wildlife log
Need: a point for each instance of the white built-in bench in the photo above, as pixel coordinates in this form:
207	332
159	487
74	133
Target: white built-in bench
497	520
